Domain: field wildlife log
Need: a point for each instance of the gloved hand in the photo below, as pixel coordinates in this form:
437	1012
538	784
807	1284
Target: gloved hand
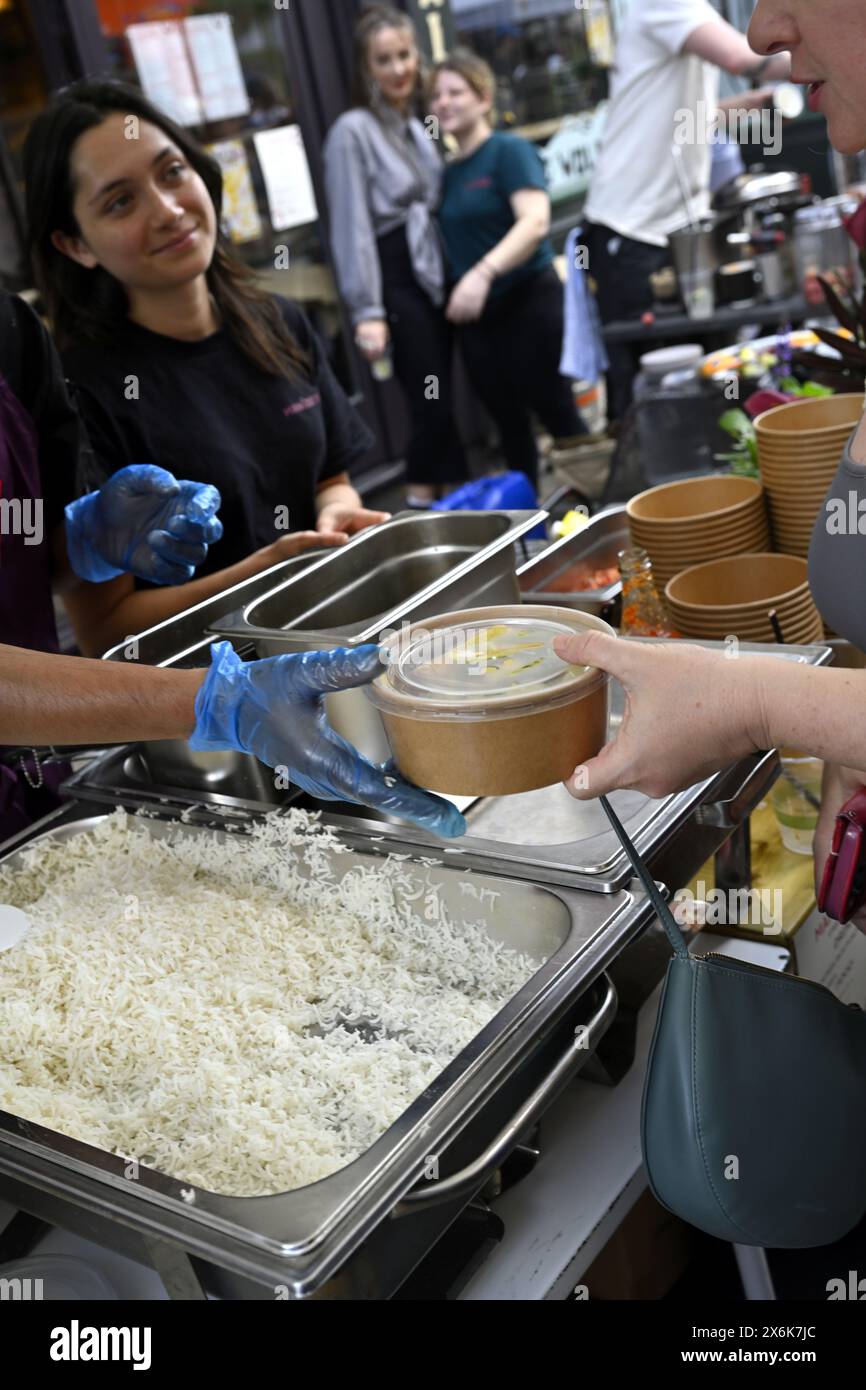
275	709
142	522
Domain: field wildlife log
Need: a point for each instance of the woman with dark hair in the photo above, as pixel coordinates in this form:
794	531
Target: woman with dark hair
506	295
383	175
176	356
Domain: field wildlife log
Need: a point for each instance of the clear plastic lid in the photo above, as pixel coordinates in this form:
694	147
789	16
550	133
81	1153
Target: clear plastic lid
477	668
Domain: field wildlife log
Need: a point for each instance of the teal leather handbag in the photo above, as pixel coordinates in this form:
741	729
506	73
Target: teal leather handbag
753	1124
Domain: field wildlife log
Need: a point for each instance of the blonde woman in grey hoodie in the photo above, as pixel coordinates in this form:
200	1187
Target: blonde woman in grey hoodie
383	173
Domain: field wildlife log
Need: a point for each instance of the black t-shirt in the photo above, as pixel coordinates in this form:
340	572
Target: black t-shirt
205	412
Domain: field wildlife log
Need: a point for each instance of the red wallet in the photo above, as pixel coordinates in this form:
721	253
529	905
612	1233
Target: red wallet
843	886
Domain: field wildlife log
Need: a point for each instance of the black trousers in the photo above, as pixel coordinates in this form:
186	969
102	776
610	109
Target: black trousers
423	344
621	269
512	357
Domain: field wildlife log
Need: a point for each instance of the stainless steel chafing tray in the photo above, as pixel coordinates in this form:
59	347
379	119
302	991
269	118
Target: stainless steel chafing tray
408	570
545	836
595	546
205	788
183	641
360	1232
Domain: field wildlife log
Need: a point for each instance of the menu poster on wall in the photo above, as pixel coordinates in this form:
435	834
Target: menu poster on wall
164	71
240	213
217	67
283	159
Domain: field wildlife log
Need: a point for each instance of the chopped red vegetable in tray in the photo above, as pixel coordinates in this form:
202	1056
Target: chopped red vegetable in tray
578	580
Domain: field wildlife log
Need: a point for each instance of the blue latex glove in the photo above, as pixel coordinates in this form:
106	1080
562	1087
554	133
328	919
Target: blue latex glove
275	709
142	522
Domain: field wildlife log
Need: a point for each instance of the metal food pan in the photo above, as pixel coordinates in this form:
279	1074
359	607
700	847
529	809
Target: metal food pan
359	1232
409	569
168	777
183	640
596	546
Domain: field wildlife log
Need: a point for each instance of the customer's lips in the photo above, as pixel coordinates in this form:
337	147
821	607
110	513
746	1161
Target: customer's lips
181	243
813	96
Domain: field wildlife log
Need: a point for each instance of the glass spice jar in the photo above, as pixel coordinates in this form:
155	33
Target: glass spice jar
644	614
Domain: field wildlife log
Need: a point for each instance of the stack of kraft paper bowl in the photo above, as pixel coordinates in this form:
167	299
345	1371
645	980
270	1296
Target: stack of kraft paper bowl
681	524
799	448
735	597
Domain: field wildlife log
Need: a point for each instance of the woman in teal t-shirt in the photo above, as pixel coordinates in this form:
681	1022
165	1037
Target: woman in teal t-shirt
506	298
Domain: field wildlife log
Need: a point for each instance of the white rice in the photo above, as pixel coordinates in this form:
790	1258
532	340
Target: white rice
185	1003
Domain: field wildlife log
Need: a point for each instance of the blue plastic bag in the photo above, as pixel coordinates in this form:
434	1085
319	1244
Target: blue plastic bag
509	492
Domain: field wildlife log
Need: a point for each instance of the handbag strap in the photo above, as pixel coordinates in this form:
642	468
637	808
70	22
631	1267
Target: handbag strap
665	916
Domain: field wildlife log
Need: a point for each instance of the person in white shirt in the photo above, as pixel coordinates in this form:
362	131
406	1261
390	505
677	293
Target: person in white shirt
669	59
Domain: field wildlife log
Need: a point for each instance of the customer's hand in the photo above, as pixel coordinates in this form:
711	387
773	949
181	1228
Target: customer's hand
371	338
840	784
468	297
142	521
689	713
275	709
347	521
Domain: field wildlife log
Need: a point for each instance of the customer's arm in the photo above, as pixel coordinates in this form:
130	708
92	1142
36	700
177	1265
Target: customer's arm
47	699
719	43
104	614
691	712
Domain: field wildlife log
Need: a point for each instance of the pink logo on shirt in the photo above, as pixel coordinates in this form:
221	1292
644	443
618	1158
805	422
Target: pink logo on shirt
486	182
306	403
